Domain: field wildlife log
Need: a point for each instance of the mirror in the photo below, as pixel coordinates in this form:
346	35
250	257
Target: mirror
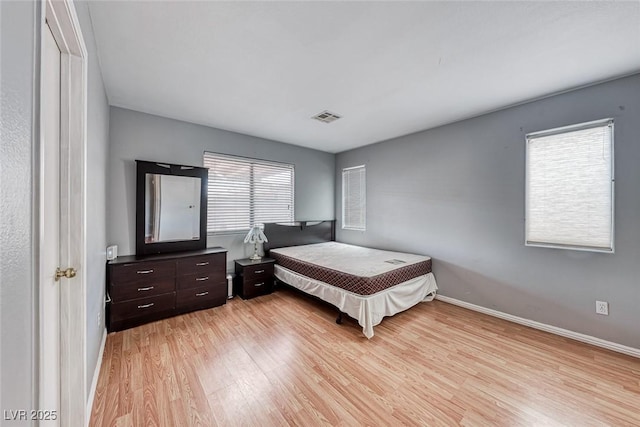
171	208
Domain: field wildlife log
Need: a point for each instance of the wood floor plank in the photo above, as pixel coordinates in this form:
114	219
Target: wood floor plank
280	359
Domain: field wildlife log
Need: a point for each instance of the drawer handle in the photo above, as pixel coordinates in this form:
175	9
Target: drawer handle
201	294
200	264
259	271
257	285
201	279
144	271
148	288
146	305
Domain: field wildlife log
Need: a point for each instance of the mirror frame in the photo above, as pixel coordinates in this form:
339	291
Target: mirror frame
144	167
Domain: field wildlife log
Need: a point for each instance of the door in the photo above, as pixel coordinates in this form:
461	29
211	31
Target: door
50	219
61	219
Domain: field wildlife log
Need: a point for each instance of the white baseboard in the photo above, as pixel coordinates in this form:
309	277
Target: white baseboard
544	327
94	381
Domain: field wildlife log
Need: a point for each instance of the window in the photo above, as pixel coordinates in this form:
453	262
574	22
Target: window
243	192
570	187
353	198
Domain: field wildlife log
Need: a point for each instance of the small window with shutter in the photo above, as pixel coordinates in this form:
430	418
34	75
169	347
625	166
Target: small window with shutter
570	187
354	198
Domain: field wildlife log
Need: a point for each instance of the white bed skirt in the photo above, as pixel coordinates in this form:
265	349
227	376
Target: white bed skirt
367	309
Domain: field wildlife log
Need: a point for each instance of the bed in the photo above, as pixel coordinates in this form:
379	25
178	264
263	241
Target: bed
367	284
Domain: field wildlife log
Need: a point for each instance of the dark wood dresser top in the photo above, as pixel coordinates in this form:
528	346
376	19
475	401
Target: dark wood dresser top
129	259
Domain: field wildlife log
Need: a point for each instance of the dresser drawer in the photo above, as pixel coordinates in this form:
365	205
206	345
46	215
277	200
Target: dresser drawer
256	287
142	271
201	265
143	307
202	279
202	297
258	272
142	289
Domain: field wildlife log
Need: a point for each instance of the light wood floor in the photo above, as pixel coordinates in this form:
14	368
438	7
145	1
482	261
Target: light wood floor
281	360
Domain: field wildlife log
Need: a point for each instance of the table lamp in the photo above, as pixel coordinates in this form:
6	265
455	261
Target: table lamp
255	236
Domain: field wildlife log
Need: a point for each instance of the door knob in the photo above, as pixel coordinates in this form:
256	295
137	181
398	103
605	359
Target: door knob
68	273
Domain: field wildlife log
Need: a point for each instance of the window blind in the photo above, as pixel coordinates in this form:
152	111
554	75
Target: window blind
354	198
243	192
570	187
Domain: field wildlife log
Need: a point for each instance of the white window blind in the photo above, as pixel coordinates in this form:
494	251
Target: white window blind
243	192
570	187
354	198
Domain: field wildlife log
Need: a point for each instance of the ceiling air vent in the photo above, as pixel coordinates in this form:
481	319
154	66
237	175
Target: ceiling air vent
326	117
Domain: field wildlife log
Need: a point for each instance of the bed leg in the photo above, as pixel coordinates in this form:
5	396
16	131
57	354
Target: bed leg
339	319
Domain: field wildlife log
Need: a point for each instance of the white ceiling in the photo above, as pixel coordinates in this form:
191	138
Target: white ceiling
389	68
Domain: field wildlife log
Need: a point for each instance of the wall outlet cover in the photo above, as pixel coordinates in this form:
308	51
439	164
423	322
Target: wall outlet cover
112	252
602	307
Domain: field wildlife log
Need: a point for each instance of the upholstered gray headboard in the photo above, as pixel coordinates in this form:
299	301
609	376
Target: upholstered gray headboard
298	233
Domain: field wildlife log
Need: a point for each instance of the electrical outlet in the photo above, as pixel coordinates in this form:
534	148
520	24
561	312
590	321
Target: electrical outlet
99	318
602	307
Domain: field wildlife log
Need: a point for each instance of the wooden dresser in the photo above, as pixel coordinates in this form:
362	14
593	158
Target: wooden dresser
153	287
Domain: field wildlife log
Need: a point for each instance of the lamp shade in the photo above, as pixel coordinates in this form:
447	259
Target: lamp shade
255	235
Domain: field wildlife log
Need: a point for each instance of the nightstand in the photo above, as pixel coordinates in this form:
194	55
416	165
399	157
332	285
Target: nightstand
253	278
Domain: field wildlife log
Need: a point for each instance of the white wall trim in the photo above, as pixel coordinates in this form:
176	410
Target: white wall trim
94	381
544	327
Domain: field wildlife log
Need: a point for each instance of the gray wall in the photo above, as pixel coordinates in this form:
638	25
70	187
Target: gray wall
141	136
456	193
18	35
97	157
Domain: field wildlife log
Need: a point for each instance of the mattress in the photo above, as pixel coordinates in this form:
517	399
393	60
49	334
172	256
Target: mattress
356	269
